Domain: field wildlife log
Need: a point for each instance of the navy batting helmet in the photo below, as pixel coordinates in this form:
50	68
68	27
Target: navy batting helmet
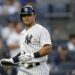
27	10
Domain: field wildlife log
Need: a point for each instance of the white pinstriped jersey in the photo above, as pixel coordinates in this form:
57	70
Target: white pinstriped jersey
33	39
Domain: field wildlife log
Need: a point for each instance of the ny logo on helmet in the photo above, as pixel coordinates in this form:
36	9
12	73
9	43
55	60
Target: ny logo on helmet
26	9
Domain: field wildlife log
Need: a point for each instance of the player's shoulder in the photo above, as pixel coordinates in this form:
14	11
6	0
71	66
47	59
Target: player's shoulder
22	32
41	28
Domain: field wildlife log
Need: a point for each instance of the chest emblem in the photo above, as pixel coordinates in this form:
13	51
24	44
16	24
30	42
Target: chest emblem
28	39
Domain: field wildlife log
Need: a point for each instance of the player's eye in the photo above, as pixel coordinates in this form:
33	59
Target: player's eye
26	15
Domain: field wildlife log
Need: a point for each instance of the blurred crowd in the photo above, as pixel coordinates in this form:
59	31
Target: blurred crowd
9	39
62	59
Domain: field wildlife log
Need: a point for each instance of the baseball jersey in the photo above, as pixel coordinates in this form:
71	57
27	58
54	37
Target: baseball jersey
33	39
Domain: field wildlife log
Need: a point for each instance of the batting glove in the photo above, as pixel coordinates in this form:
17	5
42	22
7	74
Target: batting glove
26	57
6	61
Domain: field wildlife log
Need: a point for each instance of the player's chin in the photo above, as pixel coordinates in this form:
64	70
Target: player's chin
27	23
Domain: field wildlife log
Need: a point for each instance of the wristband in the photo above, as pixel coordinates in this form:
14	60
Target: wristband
37	55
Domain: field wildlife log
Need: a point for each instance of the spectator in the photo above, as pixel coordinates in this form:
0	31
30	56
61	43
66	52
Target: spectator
4	51
13	43
8	29
11	7
62	55
13	40
71	43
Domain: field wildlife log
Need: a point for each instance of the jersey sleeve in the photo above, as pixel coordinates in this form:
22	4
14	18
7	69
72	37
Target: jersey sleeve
45	38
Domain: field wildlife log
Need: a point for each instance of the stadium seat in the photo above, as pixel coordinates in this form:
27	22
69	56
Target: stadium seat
72	54
67	66
58	73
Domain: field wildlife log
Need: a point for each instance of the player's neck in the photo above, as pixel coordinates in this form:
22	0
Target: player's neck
29	26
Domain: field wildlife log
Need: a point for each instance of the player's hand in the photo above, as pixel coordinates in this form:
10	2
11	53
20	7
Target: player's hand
26	57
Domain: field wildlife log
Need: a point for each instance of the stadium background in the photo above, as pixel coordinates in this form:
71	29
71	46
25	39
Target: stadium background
58	16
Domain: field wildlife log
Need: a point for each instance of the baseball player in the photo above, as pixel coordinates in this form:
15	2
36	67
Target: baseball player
35	44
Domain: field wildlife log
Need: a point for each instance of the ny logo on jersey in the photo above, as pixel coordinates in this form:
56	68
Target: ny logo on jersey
28	39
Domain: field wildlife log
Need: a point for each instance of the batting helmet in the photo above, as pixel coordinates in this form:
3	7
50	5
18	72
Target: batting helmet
27	10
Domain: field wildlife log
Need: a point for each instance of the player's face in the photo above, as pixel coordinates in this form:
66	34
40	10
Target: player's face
28	19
